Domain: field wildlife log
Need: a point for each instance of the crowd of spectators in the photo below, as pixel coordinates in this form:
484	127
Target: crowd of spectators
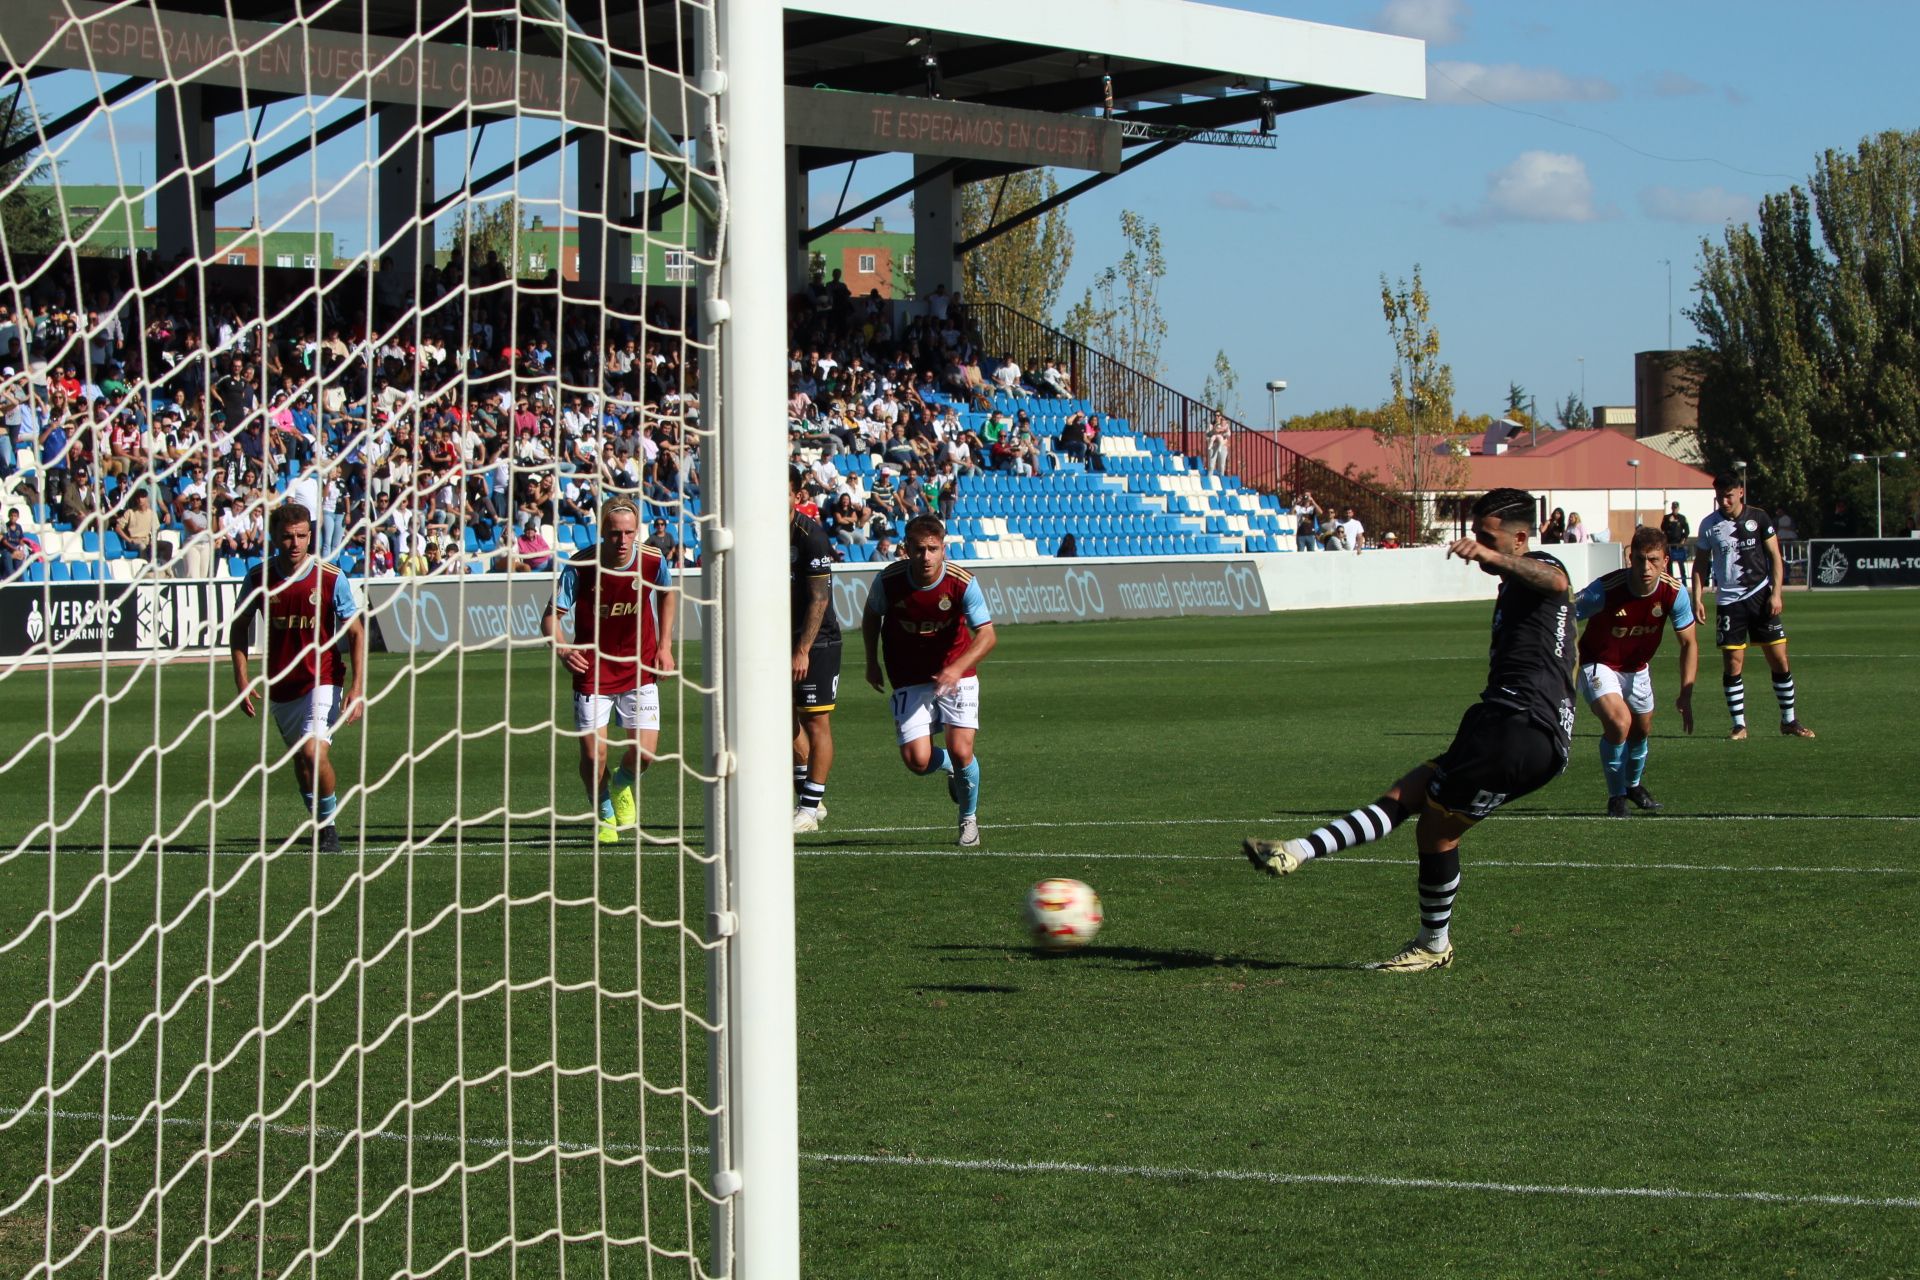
453	422
914	391
486	410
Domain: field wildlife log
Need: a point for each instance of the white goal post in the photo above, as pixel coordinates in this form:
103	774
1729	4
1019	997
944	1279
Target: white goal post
444	277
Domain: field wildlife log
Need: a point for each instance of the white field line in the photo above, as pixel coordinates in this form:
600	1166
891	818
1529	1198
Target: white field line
1233	857
1331	660
538	849
1505	819
1170	1173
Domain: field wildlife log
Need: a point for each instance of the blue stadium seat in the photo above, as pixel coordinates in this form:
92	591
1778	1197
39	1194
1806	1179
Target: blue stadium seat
58	571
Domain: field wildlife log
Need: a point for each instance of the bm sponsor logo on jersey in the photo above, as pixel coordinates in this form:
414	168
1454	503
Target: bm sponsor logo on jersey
1620	633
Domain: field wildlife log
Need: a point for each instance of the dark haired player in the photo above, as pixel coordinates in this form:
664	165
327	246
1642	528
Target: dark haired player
1738	547
316	665
1512	742
930	620
1627	612
816	656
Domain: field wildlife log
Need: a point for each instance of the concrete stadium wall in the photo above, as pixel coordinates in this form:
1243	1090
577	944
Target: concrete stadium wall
1413	575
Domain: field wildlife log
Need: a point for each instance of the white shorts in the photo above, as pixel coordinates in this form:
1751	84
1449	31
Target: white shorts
311	715
635	709
1597	680
919	714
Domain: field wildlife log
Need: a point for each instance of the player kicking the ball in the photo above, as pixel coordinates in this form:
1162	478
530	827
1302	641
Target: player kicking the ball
617	595
1627	612
316	657
1512	742
930	619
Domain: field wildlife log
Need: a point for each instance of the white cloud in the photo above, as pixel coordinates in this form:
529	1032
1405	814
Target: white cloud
1713	205
1539	186
1471	82
1435	21
1234	202
1674	84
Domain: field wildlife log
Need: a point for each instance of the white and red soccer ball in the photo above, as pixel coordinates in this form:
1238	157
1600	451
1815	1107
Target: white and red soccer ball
1063	914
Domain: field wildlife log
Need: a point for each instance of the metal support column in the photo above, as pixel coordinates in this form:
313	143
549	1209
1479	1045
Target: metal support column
183	201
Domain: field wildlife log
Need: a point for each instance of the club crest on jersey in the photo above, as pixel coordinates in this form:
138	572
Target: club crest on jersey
946	603
1658	611
1751	526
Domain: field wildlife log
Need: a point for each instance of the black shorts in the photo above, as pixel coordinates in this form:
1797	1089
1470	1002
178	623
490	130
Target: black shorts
1747	621
816	694
1497	755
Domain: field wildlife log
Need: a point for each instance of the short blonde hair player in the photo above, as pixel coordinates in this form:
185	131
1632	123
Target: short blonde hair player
618	595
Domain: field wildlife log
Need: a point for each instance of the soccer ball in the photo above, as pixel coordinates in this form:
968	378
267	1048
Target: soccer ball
1063	914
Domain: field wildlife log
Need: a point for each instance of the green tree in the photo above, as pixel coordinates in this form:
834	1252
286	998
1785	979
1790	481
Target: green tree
1420	413
1119	314
1810	328
29	216
1222	388
1344	418
1572	413
1026	267
483	226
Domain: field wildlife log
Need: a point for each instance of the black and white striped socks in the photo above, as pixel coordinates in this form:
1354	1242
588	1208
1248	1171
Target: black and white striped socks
1363	826
1439	883
1783	690
1736	691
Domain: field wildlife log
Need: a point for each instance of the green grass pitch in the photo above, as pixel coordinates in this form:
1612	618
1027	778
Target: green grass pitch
1678	1044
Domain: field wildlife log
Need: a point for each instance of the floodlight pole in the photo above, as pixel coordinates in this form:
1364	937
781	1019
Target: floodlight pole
1635	464
1879	513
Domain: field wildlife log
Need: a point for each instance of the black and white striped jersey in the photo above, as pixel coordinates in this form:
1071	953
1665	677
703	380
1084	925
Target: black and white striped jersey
1736	552
1531	663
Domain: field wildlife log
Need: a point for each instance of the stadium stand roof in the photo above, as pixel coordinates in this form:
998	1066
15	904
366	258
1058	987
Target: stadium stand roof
1171	62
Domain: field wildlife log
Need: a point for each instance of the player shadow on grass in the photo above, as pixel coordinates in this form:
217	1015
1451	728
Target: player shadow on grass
1144	958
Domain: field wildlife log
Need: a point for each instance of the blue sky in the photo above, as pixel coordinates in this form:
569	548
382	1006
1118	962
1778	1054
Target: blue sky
1540	217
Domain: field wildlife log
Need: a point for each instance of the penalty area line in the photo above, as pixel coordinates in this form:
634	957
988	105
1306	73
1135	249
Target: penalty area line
1055	855
1167	1173
1270	1178
1506	819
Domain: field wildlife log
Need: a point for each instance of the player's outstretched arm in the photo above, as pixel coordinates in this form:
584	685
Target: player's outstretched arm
1544	576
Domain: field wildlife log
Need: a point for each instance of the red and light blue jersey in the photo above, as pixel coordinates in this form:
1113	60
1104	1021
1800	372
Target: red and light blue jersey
614	617
307	617
922	629
1623	629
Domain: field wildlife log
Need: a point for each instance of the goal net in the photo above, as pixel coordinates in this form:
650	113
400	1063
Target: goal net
383	752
